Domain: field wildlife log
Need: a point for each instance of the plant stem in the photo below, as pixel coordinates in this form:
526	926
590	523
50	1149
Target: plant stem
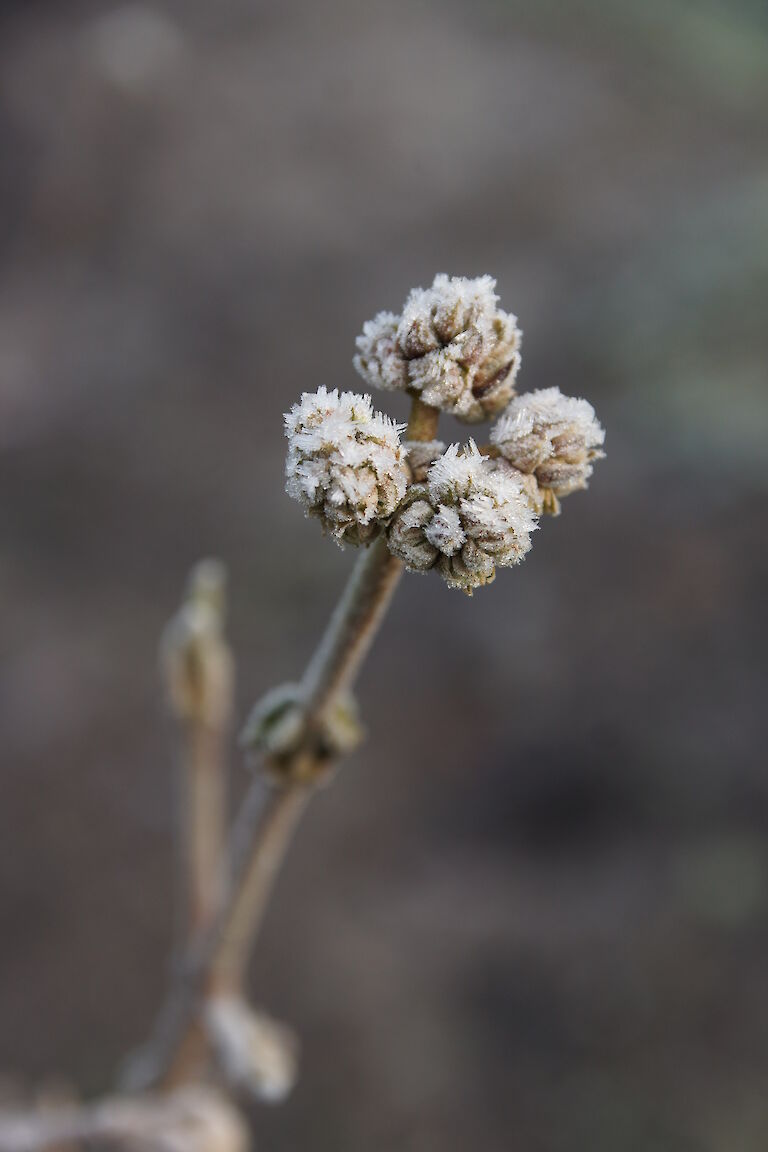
199	677
331	672
203	819
199	1119
423	420
270	814
271	826
215	965
352	627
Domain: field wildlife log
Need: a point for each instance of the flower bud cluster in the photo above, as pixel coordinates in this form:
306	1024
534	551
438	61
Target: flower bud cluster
451	344
460	511
345	463
469	516
552	437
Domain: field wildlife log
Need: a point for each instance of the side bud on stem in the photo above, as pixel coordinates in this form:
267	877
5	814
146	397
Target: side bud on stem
256	1056
297	745
345	463
552	437
469	517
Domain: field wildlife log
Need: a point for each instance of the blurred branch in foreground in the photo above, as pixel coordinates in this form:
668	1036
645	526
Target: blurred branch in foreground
194	1119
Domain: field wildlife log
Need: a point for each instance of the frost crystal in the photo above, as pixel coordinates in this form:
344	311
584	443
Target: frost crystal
552	437
469	517
345	463
451	344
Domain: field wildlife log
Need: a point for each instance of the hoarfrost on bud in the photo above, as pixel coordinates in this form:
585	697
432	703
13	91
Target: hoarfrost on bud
470	516
345	463
552	437
379	360
445	532
406	536
451	344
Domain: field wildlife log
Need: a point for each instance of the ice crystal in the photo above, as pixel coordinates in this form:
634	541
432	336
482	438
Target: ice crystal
470	516
345	463
451	344
552	437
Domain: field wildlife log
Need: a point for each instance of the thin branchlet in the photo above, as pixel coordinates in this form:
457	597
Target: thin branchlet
216	961
198	670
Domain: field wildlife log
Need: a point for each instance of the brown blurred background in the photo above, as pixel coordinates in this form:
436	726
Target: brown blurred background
533	913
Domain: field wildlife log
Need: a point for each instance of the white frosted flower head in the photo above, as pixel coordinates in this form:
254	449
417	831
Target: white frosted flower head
379	360
552	437
345	463
468	518
451	344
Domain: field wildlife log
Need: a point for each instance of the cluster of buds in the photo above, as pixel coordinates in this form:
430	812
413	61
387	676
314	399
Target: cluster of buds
345	463
553	438
451	345
470	516
461	511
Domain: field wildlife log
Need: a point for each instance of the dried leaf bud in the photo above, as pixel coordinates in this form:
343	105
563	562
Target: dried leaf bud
552	437
451	344
345	463
281	726
277	722
469	517
195	658
254	1053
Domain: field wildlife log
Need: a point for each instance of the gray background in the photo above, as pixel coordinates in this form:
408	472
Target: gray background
533	912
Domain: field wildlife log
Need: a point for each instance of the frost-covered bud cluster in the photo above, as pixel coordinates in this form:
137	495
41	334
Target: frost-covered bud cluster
451	344
552	437
470	516
462	511
345	463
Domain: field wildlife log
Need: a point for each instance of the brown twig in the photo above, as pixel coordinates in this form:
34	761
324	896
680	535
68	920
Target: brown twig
197	1119
199	674
215	963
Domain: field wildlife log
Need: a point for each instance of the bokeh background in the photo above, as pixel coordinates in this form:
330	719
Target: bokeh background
533	912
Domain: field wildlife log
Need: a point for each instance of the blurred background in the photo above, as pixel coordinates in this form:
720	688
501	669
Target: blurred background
532	913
